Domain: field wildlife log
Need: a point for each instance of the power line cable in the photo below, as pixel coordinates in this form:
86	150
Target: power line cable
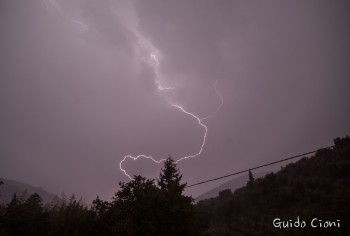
257	167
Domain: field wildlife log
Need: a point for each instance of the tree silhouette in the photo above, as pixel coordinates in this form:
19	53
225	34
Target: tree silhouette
34	216
170	177
13	217
251	177
1	183
136	209
178	209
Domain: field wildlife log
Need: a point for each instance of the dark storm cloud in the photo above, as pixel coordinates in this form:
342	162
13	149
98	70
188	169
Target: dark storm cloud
78	90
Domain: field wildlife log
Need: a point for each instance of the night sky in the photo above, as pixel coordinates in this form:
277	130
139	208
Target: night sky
83	84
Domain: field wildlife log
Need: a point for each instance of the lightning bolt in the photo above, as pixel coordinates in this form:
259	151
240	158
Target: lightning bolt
183	158
204	136
199	120
135	158
153	61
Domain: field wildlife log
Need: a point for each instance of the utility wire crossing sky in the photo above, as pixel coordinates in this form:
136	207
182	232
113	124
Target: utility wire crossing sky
256	167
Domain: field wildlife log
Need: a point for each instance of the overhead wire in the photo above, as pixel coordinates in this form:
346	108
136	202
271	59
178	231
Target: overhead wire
257	167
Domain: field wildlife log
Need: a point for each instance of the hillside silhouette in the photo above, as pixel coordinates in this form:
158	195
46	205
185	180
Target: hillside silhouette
231	184
315	187
11	187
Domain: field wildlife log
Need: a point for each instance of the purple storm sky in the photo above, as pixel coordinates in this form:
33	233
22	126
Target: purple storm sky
80	79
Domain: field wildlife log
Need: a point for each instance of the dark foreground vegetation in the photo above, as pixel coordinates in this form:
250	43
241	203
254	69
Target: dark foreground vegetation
140	207
315	187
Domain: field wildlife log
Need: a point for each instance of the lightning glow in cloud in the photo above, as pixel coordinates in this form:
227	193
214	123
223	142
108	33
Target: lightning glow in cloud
144	45
81	25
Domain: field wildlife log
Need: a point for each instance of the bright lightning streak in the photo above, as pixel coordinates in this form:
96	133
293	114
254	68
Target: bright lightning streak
204	136
135	158
185	157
